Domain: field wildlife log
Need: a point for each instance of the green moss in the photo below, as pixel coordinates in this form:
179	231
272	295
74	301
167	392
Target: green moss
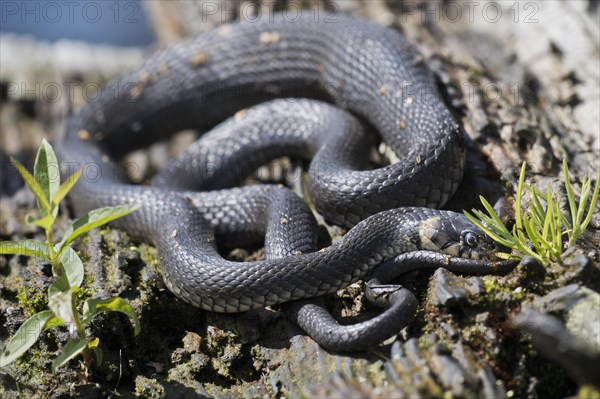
111	239
82	294
497	291
259	360
32	368
88	281
30	298
149	255
425	343
148	388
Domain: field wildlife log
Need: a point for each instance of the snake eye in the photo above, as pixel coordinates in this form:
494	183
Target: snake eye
471	239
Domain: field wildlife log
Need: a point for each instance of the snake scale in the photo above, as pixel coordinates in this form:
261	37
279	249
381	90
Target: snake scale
372	79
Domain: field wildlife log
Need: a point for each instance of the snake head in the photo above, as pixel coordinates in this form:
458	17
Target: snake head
454	234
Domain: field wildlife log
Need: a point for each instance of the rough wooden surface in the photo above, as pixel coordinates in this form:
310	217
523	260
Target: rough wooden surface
526	87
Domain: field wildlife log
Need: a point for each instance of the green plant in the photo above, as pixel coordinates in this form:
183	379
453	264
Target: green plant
67	268
539	231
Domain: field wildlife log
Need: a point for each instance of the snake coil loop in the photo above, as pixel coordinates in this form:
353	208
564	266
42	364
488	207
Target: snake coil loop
368	71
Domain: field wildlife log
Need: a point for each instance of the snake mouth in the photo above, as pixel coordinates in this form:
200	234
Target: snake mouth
484	252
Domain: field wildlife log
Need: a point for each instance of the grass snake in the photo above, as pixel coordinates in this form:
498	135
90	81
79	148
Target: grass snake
329	91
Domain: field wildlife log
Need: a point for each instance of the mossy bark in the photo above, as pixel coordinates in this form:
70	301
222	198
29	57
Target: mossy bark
525	85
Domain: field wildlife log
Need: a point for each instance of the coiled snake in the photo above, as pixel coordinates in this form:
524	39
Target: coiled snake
370	73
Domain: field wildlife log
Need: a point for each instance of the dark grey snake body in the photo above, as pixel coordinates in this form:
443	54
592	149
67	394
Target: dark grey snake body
362	67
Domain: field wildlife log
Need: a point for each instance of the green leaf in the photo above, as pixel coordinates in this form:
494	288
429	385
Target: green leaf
97	355
493	225
566	223
25	337
64	188
60	299
93	345
489	232
593	203
73	267
53	322
548	221
47	173
25	247
44	222
536	238
34	186
93	219
94	306
583	199
519	209
540	229
71	349
570	195
557	233
536	208
490	210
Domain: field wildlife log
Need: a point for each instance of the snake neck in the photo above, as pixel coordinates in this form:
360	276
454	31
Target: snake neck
386	234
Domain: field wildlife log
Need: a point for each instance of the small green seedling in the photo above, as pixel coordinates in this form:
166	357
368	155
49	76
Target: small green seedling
540	230
67	268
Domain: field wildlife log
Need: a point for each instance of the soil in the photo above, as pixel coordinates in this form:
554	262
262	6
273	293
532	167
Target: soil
534	332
